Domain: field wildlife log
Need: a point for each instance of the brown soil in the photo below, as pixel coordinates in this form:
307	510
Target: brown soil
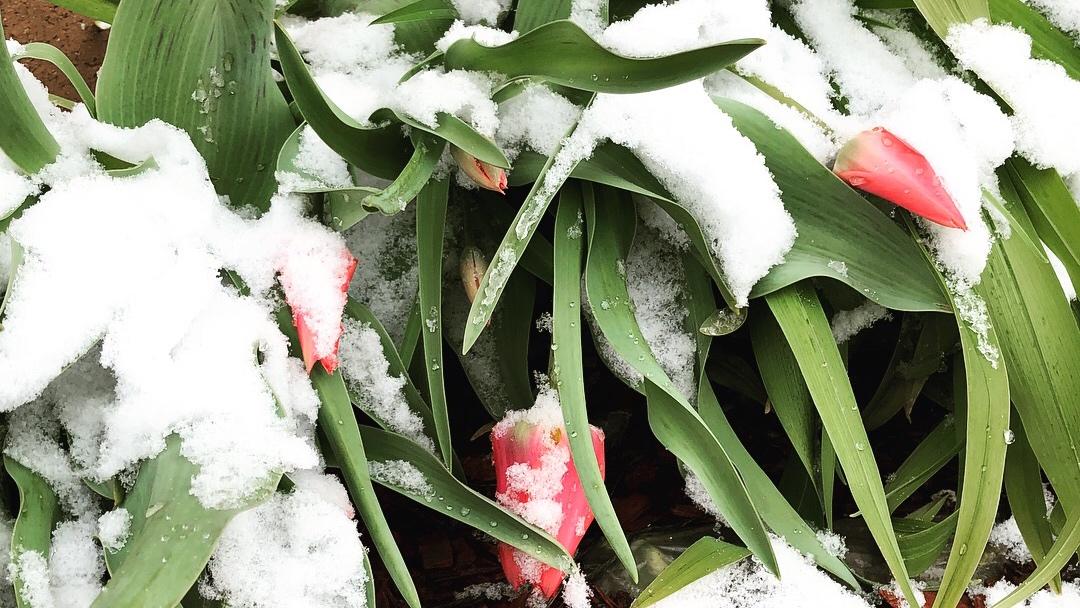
78	37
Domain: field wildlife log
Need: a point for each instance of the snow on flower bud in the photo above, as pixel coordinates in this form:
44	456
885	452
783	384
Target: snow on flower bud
878	162
536	479
473	266
488	177
316	285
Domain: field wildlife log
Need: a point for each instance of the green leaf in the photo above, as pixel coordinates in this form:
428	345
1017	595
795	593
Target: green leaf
510	250
99	10
162	505
48	52
1052	210
460	502
836	224
338	424
775	510
430	217
673	420
566	343
786	388
1027	502
377	150
936	450
1047	41
421	10
942	14
203	66
799	313
560	52
455	131
23	136
39	509
700	559
922	541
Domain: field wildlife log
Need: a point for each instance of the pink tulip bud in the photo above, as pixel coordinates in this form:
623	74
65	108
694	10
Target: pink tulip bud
878	162
317	300
535	478
488	177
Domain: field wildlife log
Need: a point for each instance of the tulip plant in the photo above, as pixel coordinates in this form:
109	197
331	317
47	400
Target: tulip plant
583	213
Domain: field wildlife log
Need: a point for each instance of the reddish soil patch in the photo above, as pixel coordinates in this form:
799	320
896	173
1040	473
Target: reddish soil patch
78	37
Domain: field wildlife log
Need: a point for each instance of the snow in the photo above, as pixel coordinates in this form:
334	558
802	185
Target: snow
537	119
322	168
1044	598
326	487
748	584
488	591
1062	274
70	577
380	394
486	36
656	284
847	323
576	591
402	474
590	15
307	546
7	592
14	189
833	543
699	495
114	528
481	11
1065	14
1006	537
1040	92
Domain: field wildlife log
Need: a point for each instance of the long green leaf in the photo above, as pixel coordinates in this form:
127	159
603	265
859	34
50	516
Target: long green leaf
453	130
39	509
430	218
162	506
566	341
799	313
53	55
458	501
100	10
421	10
203	66
560	52
23	137
673	420
1047	41
377	150
936	450
339	425
1052	210
1027	502
942	14
700	559
836	225
922	541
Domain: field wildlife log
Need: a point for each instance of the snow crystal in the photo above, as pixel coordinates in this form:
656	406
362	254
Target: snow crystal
748	584
7	593
1043	97
323	168
589	15
718	176
401	474
14	189
466	95
847	323
113	528
699	495
307	546
71	577
839	267
342	43
919	58
481	11
386	280
90	234
543	322
367	372
576	591
1065	14
656	218
486	36
31	569
1044	598
327	487
1062	274
1006	537
657	284
833	543
537	118
487	591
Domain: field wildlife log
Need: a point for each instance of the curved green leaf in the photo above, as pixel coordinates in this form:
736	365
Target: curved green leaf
700	559
430	219
836	224
421	10
162	506
1027	501
453	130
378	151
458	501
936	450
1052	210
48	52
921	541
566	342
23	137
673	420
562	53
203	66
100	10
799	313
39	509
338	423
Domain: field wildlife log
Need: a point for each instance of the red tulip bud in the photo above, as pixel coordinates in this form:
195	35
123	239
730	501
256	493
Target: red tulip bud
317	299
878	162
487	176
535	478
